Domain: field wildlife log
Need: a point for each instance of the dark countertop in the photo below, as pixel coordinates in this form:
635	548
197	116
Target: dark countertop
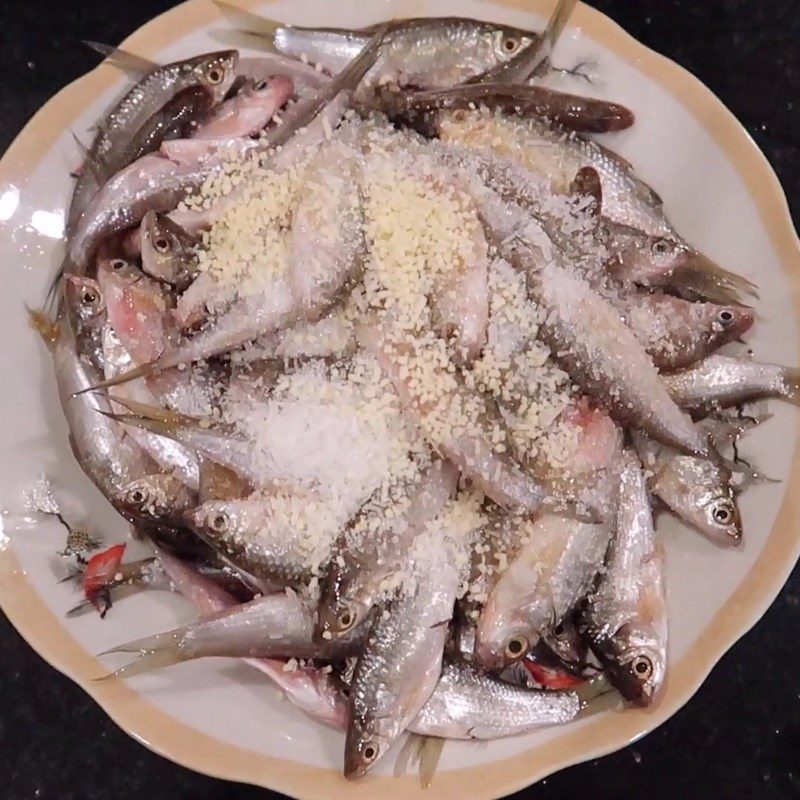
738	738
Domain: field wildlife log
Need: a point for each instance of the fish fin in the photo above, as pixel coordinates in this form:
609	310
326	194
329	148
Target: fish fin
596	694
430	751
587	183
220	483
122	59
246	22
750	474
43	325
147	662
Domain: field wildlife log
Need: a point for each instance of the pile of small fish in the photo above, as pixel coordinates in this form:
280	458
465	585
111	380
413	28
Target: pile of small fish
391	362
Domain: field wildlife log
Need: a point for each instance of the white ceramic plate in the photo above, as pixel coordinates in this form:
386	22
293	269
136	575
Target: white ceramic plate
222	718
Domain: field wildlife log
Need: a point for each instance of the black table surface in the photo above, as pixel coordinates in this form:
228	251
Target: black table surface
739	737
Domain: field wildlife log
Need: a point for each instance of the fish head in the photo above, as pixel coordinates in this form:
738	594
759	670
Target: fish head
223	519
637	662
719	518
137	308
156	496
117	271
279	88
85	301
166	249
712	506
367	740
499	646
216	71
506	42
641	258
728	323
341	607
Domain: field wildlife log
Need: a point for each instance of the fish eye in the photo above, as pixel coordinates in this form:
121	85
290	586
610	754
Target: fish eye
345	620
459	115
660	247
642	667
89	295
510	44
369	752
725	317
722	513
215	75
219	523
261	85
517	646
137	496
162	244
117	264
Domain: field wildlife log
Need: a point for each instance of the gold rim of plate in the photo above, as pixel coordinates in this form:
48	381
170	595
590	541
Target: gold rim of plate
196	750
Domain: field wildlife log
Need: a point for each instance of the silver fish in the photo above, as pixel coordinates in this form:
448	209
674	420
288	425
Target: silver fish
475	455
602	355
584	331
248	112
168	251
275	626
625	619
721	381
312	689
698	490
469	703
105	452
366	556
153	182
401	662
553	570
425	52
111	149
656	261
271	537
557	155
87	315
677	333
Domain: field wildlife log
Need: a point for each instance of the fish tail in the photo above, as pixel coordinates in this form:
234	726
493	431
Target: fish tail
790	389
122	59
596	694
157	426
249	23
142	371
557	22
148	644
704	277
147	662
430	751
157	413
43	325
